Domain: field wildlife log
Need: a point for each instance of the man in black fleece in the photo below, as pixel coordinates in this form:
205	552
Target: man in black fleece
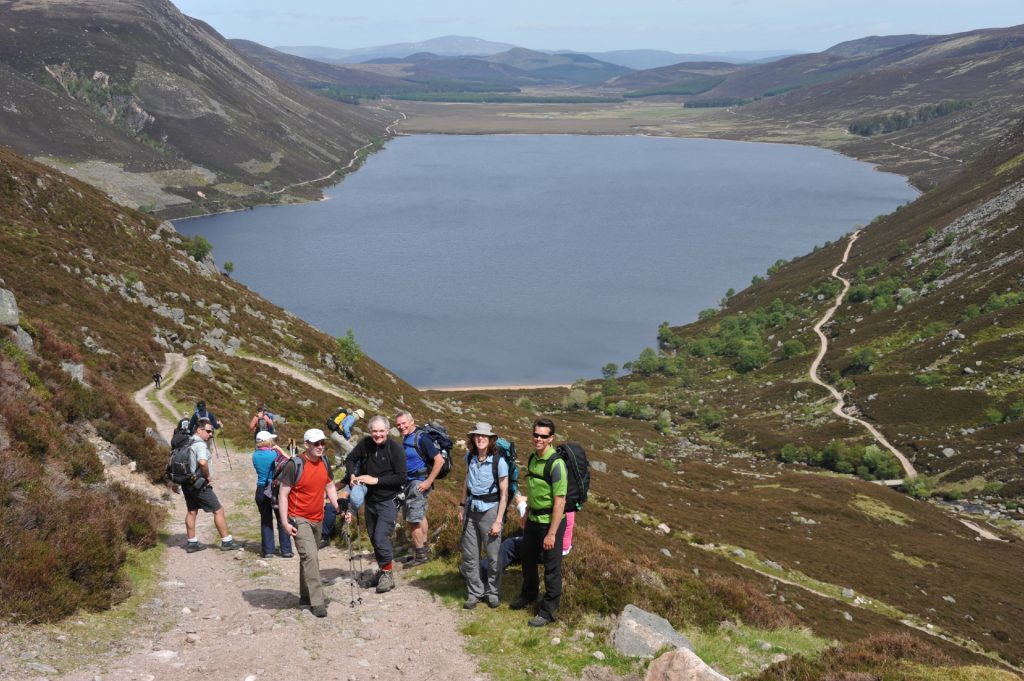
378	462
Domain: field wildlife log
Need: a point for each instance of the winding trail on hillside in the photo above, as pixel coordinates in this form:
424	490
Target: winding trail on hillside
234	615
355	157
302	377
908	468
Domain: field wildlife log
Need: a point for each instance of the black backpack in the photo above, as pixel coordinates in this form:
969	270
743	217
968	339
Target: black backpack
181	433
436	431
179	468
334	422
578	467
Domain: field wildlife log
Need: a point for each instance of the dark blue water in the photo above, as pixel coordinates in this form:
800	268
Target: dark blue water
537	259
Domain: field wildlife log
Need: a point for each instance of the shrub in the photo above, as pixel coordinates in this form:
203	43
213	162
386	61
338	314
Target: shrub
711	418
637	387
929	379
576	399
610	370
863	359
197	247
993	416
970	312
919	487
750	604
793	348
348	349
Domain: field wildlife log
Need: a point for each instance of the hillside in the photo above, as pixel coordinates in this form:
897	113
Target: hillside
159	111
70	257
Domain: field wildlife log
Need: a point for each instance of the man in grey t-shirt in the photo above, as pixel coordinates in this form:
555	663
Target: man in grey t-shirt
200	495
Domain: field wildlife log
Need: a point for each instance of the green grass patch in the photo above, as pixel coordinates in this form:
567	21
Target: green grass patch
913	560
507	649
738	650
910	671
879	510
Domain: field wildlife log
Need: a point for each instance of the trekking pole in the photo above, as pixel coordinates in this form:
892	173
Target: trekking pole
359	554
223	453
355	598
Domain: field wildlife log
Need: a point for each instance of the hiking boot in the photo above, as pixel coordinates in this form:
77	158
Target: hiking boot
419	558
386	582
519	604
539	621
324	543
194	546
267	555
493	602
230	545
319	610
470	603
287	555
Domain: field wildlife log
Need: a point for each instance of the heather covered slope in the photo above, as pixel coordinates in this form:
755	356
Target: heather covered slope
154	107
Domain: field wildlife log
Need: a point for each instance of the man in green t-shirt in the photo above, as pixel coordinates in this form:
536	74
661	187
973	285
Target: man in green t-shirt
544	525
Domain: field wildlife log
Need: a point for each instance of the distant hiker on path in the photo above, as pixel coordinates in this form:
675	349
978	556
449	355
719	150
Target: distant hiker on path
202	412
423	461
157	377
481	512
304	481
380	463
262	421
267	456
200	496
544	529
341	432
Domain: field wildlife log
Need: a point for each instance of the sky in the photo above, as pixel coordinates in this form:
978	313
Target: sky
598	25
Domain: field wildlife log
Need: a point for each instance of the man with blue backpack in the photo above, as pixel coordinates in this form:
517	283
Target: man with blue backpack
427	458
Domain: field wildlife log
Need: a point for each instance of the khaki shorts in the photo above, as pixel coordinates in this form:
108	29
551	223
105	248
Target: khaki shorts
414	508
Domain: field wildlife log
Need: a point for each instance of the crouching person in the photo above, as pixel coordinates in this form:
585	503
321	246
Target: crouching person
304	481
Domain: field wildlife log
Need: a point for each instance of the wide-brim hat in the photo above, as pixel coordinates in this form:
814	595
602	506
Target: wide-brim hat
483	428
265	435
360	413
314	435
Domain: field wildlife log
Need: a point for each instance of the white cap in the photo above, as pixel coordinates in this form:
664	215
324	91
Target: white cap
265	435
314	435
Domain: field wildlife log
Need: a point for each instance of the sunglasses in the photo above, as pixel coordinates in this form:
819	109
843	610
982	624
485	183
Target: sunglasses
541	436
322	443
206	430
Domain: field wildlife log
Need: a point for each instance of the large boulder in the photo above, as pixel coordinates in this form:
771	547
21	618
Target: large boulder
681	665
642	634
8	309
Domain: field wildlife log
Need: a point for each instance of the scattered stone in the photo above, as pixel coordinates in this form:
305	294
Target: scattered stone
662	527
641	634
630	474
681	665
186	610
848	592
23	340
41	668
164	655
8	309
555	641
955	334
599	466
848	617
598	655
201	365
192	638
739	553
75	370
666	553
949	599
948	452
779	657
773	565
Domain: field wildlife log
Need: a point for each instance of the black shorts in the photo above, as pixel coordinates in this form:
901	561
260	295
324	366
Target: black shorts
203	500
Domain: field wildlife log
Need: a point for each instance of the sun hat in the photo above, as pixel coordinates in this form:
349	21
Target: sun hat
265	435
314	435
483	428
360	413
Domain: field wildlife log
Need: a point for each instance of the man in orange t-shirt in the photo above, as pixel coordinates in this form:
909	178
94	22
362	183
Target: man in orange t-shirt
301	506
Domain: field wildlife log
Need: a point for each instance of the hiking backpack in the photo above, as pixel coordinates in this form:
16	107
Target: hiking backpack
179	466
334	422
273	486
181	433
436	431
578	468
266	424
503	450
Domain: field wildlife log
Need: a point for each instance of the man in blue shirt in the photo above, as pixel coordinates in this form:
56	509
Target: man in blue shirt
423	463
481	512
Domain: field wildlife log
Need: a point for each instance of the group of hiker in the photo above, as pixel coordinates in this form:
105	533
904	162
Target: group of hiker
299	499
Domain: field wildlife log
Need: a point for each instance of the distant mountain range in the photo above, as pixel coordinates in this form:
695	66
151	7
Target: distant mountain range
461	46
